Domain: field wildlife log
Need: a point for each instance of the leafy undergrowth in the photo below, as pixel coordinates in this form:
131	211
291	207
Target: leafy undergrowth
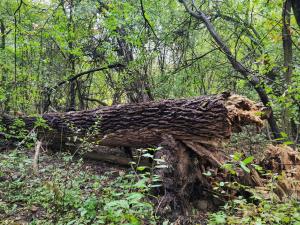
240	211
68	191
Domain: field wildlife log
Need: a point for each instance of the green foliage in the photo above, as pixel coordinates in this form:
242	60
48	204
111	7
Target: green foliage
166	54
46	42
41	123
18	132
65	194
237	162
240	211
262	207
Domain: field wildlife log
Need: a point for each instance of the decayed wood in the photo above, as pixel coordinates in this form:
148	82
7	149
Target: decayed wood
190	132
206	119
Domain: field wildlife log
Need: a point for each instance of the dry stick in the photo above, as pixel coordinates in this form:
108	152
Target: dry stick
36	157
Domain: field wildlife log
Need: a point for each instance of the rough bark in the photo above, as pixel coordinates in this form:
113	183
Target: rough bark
206	120
190	132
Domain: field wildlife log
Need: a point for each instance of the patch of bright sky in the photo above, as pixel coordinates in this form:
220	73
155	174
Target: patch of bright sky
42	1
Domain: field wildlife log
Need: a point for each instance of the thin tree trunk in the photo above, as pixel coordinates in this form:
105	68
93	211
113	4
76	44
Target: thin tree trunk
296	9
71	104
2	30
288	59
6	107
252	78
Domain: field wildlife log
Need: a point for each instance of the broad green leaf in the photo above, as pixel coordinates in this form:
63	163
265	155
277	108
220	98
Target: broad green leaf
248	160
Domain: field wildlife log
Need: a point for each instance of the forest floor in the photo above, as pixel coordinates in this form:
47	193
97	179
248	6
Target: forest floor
69	190
27	197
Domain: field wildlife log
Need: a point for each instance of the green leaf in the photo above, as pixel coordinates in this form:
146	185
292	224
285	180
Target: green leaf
117	204
244	167
257	167
141	168
155	185
135	196
220	218
288	143
229	168
236	156
208	173
283	134
161	166
133	220
248	160
140	184
147	155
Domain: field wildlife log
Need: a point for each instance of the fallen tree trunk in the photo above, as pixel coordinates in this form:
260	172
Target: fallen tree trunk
191	132
206	119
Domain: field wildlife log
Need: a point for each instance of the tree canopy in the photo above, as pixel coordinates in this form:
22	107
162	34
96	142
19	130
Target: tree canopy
67	55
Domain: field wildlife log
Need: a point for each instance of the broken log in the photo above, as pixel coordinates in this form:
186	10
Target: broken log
206	119
191	132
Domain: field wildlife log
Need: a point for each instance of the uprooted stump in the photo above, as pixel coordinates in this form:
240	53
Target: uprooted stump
191	132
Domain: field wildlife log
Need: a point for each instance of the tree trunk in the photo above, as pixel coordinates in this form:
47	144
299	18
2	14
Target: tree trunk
296	9
3	35
287	44
206	120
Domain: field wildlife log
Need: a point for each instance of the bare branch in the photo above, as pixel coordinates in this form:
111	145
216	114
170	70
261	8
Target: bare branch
190	62
116	65
146	19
